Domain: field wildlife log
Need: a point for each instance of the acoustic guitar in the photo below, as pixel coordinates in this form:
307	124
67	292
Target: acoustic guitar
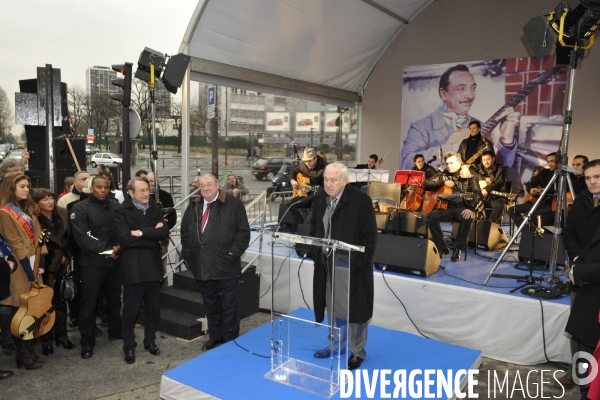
36	315
510	196
533	197
438	199
569	202
303	183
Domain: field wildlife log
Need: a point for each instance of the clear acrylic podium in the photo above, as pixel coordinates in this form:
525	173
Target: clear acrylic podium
295	336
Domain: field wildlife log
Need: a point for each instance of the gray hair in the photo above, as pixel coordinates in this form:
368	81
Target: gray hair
7	164
340	167
76	174
132	181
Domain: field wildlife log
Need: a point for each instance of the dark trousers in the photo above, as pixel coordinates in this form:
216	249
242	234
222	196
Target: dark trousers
92	280
222	306
583	389
59	330
497	206
544	209
5	320
305	202
449	215
132	301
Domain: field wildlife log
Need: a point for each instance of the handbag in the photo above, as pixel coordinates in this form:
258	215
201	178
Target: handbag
70	284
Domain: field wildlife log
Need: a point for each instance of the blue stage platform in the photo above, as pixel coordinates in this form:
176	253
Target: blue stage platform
229	372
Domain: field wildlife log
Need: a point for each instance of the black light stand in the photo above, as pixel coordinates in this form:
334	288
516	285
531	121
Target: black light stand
560	174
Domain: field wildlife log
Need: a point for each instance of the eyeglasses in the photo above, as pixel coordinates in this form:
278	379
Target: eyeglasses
143	191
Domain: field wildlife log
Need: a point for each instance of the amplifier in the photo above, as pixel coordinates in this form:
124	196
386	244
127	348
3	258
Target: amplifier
490	236
408	255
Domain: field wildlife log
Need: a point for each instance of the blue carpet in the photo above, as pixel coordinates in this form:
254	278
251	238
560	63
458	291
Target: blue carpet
229	372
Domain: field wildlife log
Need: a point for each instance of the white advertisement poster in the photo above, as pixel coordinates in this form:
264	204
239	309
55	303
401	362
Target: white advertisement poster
278	121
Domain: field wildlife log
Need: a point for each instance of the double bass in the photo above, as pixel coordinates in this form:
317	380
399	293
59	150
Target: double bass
36	315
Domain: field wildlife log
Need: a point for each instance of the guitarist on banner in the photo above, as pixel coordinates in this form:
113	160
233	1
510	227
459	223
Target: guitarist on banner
458	209
492	179
305	179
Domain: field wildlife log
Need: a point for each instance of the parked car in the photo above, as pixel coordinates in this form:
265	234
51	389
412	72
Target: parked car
106	158
269	167
16	154
91	150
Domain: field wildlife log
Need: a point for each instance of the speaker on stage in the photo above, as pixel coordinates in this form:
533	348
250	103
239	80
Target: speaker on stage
288	219
410	223
490	236
541	247
408	255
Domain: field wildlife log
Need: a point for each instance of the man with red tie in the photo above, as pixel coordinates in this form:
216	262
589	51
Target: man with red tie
214	235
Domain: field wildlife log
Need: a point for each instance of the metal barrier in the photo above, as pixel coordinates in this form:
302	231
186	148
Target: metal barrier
262	209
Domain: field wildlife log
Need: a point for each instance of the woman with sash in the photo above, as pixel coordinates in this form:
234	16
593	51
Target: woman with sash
20	228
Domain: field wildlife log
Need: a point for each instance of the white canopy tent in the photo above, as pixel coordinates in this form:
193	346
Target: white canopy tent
320	50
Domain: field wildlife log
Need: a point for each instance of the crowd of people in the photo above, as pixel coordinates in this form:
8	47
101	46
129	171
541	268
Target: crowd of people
114	242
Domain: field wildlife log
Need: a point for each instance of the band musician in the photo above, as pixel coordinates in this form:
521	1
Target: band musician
419	165
460	209
470	146
311	168
371	164
539	180
492	177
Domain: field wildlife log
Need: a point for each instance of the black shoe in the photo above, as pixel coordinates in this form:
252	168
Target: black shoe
97	331
66	344
9	349
153	349
354	362
444	252
118	336
326	352
47	349
455	255
129	356
210	344
87	353
5	374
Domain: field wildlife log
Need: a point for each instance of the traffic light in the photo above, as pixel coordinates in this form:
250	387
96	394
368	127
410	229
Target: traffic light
125	83
338	120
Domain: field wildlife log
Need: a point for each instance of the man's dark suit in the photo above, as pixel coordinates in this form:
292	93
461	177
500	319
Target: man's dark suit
141	268
352	222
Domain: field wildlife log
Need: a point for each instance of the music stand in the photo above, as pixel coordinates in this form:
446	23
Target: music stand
409	177
362	175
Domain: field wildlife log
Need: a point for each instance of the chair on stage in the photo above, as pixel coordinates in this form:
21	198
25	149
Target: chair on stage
391	194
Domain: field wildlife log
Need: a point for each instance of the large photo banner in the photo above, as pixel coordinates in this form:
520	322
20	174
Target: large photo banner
519	102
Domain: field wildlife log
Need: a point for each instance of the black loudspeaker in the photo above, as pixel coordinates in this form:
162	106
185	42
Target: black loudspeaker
490	235
303	250
542	246
288	219
175	71
408	255
408	223
63	159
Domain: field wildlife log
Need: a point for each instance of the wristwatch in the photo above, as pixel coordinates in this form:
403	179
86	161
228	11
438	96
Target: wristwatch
140	233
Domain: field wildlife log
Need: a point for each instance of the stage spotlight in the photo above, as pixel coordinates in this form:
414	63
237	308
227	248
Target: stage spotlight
143	69
571	22
170	70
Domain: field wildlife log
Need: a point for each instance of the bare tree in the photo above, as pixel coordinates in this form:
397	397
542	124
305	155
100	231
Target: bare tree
101	110
6	116
140	102
78	108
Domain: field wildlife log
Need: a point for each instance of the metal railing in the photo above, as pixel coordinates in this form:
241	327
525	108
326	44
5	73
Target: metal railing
262	209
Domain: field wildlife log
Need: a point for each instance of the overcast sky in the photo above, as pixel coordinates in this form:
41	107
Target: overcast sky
74	35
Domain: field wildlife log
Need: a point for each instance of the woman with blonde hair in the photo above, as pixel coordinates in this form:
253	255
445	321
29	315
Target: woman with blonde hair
20	228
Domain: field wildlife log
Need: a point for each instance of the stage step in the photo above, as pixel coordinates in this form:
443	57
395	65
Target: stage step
249	289
176	323
177	298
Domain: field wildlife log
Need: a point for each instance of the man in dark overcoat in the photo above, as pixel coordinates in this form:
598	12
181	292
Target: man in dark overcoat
140	228
582	240
214	235
353	222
